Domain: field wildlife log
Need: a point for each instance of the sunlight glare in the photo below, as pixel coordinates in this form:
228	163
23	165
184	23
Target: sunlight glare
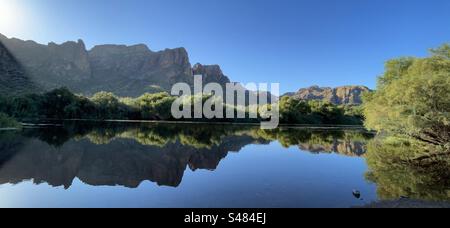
10	17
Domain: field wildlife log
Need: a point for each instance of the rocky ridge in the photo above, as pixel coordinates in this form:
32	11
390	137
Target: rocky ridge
344	95
123	70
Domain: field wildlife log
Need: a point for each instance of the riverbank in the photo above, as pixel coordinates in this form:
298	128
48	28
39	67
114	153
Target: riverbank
57	122
9	129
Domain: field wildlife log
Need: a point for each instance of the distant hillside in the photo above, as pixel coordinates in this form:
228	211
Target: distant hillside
13	79
341	95
123	70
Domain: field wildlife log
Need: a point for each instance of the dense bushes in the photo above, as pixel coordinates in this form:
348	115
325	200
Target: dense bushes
413	99
157	106
8	122
62	104
294	111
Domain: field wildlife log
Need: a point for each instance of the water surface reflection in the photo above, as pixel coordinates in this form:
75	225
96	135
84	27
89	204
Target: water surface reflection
221	165
127	154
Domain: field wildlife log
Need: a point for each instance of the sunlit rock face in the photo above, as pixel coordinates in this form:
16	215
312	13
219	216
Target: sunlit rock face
210	73
123	70
13	79
351	95
134	70
52	65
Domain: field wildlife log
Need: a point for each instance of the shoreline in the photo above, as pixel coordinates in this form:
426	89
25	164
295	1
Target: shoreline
41	123
9	129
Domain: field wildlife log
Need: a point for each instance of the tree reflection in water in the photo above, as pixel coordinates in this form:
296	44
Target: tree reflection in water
126	154
407	170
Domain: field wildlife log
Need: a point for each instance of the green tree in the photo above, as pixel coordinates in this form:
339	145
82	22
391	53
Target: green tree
155	106
413	98
28	106
293	110
3	104
81	108
8	122
108	105
329	113
54	103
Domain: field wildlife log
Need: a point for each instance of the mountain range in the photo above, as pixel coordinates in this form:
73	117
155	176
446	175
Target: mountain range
127	71
124	70
350	95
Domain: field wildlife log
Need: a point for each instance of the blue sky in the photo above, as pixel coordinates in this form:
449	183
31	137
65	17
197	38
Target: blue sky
297	43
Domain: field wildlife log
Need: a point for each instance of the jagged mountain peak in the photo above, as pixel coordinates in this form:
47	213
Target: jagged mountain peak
121	69
210	73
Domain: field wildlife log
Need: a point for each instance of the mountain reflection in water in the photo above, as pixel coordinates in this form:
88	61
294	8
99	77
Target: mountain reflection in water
110	154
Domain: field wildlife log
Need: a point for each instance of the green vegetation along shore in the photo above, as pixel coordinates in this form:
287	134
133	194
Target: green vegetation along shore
63	104
410	110
411	103
8	122
412	100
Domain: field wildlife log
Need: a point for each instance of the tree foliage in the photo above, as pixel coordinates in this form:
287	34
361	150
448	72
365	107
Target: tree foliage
108	106
62	104
413	98
8	122
293	111
156	106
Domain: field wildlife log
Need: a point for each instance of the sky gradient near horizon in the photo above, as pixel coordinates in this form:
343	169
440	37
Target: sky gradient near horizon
297	43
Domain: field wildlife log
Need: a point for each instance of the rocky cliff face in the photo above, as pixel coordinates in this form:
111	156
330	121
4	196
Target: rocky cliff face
134	70
211	74
341	95
123	70
13	79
